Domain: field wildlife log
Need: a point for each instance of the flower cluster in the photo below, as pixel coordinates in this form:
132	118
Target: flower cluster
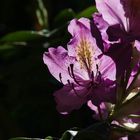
101	65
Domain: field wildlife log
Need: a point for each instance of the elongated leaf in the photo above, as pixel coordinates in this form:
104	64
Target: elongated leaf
87	12
98	131
49	138
69	135
21	36
24	138
42	14
7	51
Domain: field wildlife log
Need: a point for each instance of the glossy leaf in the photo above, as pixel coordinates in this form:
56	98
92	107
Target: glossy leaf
21	36
24	138
49	138
98	131
68	135
87	12
42	14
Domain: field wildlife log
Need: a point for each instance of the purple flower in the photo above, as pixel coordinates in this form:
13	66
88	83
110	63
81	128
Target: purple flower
102	111
84	71
118	21
123	19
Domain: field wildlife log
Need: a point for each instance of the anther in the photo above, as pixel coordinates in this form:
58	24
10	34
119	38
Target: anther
92	76
60	77
100	79
69	82
73	76
75	91
69	72
97	67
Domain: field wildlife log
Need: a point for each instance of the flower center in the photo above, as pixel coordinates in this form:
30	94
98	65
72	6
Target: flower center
84	55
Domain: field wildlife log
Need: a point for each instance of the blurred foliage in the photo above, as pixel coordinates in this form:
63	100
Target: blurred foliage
27	29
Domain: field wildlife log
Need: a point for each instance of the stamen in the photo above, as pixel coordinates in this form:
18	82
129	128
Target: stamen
98	76
100	113
100	79
97	67
73	76
69	82
72	85
60	77
69	72
92	77
75	91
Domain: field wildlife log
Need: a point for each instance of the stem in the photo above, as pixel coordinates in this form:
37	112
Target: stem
100	113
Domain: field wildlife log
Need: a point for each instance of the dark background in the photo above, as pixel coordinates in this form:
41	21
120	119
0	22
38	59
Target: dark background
27	106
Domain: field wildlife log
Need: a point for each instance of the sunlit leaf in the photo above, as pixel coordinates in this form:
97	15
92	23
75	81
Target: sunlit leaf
24	138
21	36
130	104
87	12
49	138
68	135
135	92
98	131
42	14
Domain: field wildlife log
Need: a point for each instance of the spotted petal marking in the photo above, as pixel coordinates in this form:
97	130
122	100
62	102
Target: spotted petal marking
84	55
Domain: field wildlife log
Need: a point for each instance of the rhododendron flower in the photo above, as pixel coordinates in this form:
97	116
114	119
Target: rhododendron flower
118	21
123	19
87	74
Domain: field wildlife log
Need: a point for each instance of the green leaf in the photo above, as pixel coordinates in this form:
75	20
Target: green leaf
87	12
42	14
7	51
68	135
6	47
21	36
98	131
134	116
49	138
24	138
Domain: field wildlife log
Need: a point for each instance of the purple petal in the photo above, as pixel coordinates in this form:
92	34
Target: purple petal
124	138
107	68
80	33
137	45
58	62
103	107
121	55
132	8
73	27
132	76
102	26
112	12
105	92
100	22
97	32
67	99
